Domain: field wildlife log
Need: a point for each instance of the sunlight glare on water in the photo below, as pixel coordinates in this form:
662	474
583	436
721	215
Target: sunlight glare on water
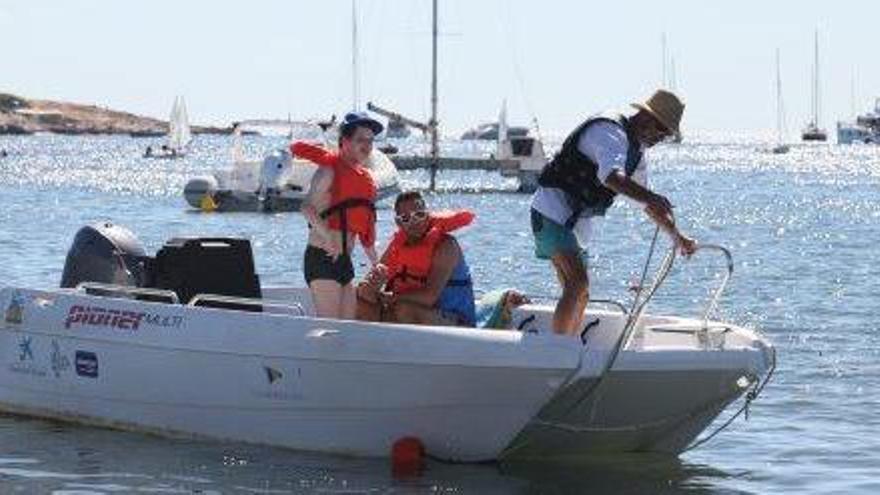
802	227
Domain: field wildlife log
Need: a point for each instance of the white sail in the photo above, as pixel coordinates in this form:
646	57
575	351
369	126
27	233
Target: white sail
179	134
503	146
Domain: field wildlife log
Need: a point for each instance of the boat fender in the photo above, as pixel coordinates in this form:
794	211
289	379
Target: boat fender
208	204
407	457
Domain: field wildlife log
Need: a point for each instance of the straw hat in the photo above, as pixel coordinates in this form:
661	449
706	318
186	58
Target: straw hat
665	107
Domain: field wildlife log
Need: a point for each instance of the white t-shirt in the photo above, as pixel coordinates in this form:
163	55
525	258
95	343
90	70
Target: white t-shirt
606	144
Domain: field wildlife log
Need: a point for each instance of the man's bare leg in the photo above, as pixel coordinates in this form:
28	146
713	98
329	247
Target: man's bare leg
347	302
326	296
569	314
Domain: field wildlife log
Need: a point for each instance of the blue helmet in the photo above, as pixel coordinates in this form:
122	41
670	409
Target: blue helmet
355	119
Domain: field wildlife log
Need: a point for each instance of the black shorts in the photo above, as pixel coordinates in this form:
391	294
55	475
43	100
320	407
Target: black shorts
317	265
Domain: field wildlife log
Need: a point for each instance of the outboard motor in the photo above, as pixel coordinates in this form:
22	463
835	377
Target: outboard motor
106	253
274	173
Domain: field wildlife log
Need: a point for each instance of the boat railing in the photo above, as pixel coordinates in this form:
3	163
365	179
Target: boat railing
113	289
712	305
200	299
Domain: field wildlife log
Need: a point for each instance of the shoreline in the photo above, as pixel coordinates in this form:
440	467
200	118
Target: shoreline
23	116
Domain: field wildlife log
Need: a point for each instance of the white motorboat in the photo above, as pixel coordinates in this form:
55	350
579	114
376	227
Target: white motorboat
278	182
524	152
865	129
137	352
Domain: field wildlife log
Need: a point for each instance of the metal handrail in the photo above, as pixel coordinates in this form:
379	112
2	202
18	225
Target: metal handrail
127	289
245	301
712	305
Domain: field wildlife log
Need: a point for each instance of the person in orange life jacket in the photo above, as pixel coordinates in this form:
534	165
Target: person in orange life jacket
601	158
423	277
339	208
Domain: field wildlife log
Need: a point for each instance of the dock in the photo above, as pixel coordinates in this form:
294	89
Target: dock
506	167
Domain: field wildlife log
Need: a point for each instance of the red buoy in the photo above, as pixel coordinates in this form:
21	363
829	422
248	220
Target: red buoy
407	457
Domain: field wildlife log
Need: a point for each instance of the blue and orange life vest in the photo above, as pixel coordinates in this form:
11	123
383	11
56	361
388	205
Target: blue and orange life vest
410	264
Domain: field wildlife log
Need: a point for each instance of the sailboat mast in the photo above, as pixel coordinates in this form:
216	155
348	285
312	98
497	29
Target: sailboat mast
435	152
817	110
663	60
778	101
355	104
818	89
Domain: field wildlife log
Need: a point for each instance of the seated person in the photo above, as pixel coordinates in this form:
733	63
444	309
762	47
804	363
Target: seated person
422	278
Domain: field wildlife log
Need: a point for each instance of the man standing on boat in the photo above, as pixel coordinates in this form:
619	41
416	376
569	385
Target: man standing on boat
601	158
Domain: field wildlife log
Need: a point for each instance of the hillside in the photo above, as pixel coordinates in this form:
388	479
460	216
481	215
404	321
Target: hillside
24	116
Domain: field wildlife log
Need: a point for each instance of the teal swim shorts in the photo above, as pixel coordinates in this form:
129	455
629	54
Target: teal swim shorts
552	238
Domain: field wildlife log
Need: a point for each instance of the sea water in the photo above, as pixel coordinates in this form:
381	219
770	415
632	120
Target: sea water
803	229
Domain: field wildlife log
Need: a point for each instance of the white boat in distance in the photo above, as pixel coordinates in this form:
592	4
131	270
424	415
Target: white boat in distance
278	182
865	129
179	134
781	127
115	356
812	131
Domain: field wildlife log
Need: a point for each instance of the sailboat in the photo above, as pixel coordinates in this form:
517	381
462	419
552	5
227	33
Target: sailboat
179	133
780	147
812	132
432	128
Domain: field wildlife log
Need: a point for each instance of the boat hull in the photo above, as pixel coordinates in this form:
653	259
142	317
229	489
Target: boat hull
280	378
303	383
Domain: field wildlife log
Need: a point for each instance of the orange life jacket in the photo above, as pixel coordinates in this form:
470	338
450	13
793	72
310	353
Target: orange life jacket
409	264
352	208
352	195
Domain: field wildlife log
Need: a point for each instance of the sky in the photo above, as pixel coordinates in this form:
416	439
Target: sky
554	60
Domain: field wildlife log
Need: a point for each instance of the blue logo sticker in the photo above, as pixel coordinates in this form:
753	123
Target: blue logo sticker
25	352
87	364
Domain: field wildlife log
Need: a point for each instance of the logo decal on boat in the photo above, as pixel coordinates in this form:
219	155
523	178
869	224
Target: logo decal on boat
272	374
276	388
26	363
25	352
15	310
114	318
86	364
60	362
100	317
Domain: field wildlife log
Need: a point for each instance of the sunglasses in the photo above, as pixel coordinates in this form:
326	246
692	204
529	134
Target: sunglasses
408	218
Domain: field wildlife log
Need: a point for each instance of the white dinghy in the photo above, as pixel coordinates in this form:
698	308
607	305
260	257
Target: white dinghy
179	134
278	182
144	347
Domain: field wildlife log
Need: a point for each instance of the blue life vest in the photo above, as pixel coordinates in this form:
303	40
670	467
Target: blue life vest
458	295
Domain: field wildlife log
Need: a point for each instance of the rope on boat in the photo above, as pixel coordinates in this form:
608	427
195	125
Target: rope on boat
750	397
638	307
